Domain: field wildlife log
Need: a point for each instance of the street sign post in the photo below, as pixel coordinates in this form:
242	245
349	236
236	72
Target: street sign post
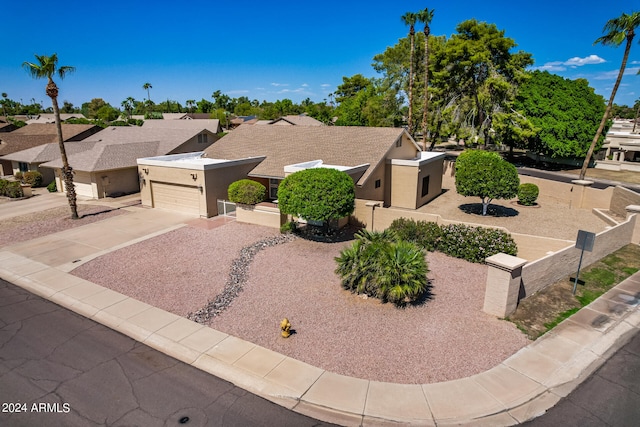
584	242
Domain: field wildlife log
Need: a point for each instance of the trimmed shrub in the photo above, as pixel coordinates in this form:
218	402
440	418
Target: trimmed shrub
424	234
378	265
528	194
10	189
52	188
33	178
247	192
288	227
474	244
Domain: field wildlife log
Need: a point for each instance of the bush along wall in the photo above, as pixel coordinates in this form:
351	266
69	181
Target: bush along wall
473	244
10	189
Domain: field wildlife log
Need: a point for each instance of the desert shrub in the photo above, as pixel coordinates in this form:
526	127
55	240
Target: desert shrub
52	188
11	189
528	194
474	244
424	234
33	178
381	266
247	191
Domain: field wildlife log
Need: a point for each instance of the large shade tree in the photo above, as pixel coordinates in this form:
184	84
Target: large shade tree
46	67
617	30
425	17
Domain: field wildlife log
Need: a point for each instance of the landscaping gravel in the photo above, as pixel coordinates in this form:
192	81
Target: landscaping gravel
445	338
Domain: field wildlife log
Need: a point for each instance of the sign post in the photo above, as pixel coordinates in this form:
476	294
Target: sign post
584	242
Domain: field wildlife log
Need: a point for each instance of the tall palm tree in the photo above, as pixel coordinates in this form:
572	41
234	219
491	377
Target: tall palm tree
46	67
4	101
146	87
425	17
616	31
190	104
409	19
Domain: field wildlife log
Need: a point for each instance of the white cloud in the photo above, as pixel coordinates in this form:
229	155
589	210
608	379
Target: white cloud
325	85
305	85
279	84
571	62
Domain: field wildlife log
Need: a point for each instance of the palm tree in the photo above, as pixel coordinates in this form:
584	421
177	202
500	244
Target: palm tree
190	104
46	67
127	105
426	16
617	30
4	101
409	19
146	87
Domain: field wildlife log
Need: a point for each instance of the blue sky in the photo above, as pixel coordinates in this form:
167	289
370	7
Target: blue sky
276	50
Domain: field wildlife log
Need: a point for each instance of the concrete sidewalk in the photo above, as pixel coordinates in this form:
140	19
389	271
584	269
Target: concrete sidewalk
520	388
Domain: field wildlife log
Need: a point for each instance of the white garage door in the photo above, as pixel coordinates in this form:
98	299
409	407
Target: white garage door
179	198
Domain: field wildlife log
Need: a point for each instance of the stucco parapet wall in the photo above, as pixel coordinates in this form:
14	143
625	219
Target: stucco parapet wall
505	262
351	170
583	182
423	158
633	209
195	161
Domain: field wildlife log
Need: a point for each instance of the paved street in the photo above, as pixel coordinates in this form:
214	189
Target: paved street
91	375
610	397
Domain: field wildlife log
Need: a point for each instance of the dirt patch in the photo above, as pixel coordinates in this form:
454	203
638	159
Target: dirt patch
538	313
37	224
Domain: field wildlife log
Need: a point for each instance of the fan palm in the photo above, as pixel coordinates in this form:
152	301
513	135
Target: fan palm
425	16
617	30
410	19
47	67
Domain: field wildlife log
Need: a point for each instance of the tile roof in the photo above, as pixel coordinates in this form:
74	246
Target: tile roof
37	134
287	145
213	125
299	120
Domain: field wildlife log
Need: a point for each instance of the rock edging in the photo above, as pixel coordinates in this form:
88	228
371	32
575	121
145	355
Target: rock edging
237	278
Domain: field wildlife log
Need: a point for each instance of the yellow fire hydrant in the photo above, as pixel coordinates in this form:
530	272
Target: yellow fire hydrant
285	327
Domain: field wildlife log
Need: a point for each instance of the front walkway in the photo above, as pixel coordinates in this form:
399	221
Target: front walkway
522	387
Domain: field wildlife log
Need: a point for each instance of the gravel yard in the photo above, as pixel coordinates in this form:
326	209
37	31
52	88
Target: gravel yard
445	338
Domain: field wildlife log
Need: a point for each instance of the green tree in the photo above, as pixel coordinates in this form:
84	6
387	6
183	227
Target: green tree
486	175
90	109
426	16
148	87
107	113
317	194
564	112
247	192
46	67
410	19
617	30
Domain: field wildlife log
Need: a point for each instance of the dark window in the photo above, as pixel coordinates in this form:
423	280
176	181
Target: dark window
378	183
24	167
425	185
202	138
399	142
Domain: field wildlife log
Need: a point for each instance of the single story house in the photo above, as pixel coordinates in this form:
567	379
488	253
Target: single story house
386	164
35	135
621	144
48	118
107	167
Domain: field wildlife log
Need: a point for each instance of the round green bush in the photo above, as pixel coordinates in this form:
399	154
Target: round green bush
247	192
528	194
52	188
33	178
424	234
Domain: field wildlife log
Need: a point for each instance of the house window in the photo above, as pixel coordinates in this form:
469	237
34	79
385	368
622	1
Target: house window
378	183
24	167
273	188
425	185
202	138
399	142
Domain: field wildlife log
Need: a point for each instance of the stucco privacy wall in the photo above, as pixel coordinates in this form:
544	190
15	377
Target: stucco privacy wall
539	274
621	198
572	195
261	214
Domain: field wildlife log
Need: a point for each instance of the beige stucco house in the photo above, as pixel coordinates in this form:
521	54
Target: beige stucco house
386	165
621	148
107	166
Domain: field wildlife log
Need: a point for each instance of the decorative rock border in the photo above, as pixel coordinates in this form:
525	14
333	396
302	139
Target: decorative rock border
237	278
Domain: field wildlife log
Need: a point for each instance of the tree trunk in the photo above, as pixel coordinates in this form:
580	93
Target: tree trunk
607	111
410	118
425	106
66	169
485	206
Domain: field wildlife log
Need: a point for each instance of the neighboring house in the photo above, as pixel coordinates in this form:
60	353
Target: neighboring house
386	165
108	166
621	147
51	118
299	120
35	135
212	125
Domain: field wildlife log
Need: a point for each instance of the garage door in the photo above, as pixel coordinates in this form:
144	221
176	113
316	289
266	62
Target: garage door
179	198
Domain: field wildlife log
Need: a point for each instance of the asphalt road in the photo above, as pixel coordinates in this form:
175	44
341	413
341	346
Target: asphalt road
60	369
